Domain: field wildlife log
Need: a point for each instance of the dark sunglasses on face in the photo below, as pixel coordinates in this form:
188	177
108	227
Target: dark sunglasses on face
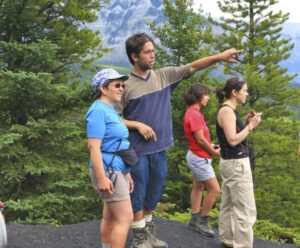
118	85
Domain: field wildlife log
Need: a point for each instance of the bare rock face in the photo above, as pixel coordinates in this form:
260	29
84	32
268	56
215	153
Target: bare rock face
120	19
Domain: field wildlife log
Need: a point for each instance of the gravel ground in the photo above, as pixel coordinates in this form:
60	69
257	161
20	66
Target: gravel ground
85	235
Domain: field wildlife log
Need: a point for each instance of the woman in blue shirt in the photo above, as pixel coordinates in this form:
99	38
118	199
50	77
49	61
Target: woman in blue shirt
107	134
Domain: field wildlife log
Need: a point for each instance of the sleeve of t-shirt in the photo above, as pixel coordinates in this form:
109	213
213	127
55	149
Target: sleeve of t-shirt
196	121
170	75
95	123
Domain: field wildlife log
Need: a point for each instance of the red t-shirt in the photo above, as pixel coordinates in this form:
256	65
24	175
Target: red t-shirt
194	121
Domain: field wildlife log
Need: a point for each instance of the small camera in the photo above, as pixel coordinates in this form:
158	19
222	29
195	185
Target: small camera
252	113
112	176
236	57
216	147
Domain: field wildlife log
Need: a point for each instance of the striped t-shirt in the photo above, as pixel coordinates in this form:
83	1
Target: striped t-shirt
149	101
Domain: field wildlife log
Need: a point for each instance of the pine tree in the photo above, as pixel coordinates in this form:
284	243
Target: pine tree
42	176
183	35
253	26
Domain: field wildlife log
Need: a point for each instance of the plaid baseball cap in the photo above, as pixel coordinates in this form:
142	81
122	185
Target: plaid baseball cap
106	74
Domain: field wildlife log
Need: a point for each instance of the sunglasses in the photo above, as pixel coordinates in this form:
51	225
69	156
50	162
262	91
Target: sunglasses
118	85
240	81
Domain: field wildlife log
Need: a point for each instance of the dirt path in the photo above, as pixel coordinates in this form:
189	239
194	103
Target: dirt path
85	235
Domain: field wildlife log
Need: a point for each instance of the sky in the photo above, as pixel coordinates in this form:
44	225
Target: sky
287	6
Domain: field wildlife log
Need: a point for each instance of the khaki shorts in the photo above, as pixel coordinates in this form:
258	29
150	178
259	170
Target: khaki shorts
121	187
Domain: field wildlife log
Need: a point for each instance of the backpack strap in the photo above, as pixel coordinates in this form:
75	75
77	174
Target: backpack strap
110	164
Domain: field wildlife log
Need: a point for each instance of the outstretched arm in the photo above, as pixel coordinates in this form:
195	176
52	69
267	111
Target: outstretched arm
230	55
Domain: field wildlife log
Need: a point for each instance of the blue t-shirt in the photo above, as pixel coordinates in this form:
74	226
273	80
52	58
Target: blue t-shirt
103	122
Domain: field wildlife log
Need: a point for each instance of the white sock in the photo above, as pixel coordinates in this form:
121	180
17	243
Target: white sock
138	224
148	218
104	245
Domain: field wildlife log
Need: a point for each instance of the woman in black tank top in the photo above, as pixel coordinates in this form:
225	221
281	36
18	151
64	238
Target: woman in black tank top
228	151
238	210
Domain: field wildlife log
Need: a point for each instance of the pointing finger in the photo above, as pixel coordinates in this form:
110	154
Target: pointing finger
240	51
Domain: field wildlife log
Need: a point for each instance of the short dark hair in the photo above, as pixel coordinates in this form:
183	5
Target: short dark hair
135	43
195	93
231	84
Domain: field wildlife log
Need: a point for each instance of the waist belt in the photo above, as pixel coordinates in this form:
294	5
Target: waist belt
234	156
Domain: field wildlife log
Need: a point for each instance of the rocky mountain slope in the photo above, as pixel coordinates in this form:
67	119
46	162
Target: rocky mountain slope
121	18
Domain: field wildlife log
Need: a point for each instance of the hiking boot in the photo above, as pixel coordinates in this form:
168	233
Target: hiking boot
140	238
155	242
200	224
194	221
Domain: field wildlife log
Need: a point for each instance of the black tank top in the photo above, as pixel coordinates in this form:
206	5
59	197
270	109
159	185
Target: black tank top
228	151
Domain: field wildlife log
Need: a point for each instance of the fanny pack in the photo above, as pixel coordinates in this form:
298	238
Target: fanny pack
129	156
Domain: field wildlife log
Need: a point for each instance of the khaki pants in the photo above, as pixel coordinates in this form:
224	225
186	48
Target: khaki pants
238	210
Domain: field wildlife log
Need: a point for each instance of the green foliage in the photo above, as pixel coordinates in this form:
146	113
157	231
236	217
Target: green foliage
166	211
277	174
270	231
43	155
179	179
183	35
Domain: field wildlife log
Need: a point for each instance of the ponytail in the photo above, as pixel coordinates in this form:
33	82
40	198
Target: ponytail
220	94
